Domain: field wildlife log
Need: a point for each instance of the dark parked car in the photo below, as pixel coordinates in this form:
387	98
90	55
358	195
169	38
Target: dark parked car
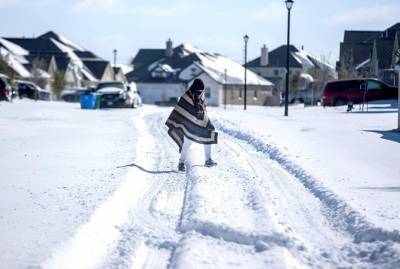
341	92
118	94
31	90
5	89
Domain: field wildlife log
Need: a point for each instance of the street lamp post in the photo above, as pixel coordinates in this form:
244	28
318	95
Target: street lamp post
289	4
246	39
225	90
115	62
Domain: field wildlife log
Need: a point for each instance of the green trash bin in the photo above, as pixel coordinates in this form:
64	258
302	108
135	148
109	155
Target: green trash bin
98	100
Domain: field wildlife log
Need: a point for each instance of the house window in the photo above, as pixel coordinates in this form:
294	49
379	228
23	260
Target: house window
240	93
208	92
255	95
276	72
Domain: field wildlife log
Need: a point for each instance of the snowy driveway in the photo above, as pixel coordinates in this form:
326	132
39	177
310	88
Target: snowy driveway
251	211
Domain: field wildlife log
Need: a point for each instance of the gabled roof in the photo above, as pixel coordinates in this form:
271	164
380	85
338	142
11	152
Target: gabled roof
277	58
178	61
391	31
147	56
360	36
36	45
62	39
86	54
96	67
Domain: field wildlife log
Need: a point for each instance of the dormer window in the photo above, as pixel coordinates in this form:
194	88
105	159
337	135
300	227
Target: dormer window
162	71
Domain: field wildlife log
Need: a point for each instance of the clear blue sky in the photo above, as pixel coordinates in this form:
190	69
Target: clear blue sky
215	26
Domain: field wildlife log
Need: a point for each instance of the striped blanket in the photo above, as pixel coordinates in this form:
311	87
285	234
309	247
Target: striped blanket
182	122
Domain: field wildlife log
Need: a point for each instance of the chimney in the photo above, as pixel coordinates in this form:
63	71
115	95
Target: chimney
264	56
169	51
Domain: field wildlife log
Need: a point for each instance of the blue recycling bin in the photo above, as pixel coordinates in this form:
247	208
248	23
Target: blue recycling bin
89	101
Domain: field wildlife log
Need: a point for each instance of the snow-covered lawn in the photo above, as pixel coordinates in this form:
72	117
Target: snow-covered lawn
100	189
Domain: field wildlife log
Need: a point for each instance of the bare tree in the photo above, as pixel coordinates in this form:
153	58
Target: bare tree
58	83
6	69
294	82
38	66
346	69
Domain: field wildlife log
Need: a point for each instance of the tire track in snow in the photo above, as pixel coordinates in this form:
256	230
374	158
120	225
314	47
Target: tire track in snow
341	213
150	236
92	243
339	247
221	203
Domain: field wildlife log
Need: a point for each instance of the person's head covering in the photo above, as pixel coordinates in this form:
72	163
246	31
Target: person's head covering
197	86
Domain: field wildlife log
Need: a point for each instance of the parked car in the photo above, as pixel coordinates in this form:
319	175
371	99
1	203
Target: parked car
31	90
5	89
118	94
341	92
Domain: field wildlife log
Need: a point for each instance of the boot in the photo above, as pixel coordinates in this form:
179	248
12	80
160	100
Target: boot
181	167
210	163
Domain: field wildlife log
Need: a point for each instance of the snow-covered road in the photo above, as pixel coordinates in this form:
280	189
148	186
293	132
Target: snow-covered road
253	210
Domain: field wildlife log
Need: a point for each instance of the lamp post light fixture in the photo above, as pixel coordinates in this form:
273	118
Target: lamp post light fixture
246	39
289	4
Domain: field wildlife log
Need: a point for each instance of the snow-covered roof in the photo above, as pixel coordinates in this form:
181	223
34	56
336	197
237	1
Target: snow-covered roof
14	63
187	49
71	54
88	74
215	65
68	42
189	61
307	77
310	60
13	48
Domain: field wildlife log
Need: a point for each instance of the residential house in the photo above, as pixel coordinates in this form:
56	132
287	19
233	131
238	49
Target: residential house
164	79
51	52
369	54
271	65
